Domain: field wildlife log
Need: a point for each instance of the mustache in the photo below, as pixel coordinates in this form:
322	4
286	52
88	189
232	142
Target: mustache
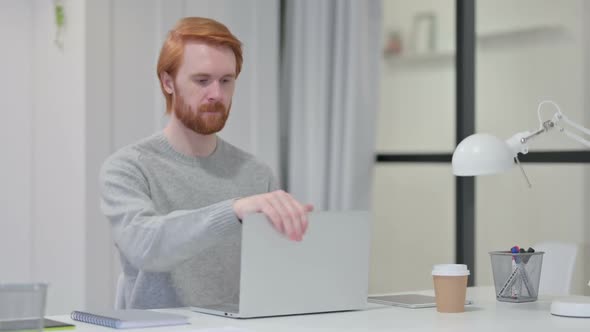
216	107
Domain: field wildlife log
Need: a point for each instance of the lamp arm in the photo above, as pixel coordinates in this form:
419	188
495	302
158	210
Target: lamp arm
519	142
560	117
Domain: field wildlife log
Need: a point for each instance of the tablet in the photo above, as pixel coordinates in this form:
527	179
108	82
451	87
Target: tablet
407	300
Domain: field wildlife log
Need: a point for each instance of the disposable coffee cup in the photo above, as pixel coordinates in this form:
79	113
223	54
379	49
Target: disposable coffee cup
450	286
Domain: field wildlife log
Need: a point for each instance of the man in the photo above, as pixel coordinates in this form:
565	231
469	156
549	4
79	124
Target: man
176	199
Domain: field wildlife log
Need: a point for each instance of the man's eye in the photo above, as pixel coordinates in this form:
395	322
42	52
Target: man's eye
201	81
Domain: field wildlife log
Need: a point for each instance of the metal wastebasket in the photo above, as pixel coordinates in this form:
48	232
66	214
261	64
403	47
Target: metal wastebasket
22	306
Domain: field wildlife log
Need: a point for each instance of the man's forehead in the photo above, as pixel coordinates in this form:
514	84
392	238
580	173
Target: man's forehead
197	43
203	58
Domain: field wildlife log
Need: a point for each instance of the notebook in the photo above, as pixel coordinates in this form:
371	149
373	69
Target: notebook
130	318
327	271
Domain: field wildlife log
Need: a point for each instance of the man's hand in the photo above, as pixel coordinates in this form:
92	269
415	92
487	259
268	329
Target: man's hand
287	215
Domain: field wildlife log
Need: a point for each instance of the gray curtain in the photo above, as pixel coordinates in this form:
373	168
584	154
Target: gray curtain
330	83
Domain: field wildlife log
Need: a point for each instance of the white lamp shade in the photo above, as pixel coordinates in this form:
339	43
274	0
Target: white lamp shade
482	154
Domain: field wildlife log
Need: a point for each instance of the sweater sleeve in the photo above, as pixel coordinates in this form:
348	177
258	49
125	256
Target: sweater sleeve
273	184
150	241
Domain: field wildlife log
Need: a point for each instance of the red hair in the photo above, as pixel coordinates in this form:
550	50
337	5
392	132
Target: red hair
193	28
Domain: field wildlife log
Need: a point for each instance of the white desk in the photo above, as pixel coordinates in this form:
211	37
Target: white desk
486	314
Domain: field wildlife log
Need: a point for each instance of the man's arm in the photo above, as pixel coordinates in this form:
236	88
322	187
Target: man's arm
151	241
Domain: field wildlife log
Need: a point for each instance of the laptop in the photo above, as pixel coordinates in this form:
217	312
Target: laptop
327	271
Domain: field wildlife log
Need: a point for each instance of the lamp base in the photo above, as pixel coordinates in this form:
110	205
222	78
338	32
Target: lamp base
571	306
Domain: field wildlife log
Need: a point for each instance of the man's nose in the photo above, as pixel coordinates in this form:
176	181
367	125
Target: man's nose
214	92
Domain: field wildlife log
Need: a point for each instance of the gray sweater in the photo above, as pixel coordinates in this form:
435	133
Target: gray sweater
173	222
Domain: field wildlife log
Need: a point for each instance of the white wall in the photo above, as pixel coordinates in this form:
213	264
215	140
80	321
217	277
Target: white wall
16	140
43	183
66	110
414	210
58	156
101	264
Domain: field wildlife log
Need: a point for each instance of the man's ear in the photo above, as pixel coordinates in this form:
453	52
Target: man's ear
167	82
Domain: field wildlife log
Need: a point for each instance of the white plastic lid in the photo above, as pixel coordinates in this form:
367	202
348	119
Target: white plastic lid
450	270
571	306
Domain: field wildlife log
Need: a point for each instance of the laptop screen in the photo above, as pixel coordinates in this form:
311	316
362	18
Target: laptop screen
326	271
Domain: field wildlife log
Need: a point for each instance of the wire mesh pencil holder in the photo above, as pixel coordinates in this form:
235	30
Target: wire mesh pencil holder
516	275
22	306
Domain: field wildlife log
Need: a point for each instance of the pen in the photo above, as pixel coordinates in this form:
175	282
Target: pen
525	277
512	278
509	282
515	266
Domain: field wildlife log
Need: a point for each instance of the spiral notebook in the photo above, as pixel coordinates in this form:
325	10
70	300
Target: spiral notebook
128	319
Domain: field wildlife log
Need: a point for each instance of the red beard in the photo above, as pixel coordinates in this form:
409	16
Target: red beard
208	119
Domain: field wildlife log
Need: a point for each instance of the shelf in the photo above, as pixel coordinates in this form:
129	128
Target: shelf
520	35
421	59
523	34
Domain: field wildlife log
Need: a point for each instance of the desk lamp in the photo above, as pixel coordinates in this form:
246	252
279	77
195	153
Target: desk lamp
483	154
